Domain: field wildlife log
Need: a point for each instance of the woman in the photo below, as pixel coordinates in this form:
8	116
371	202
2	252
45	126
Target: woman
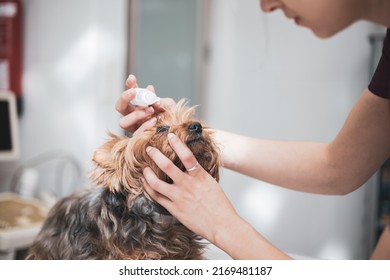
338	167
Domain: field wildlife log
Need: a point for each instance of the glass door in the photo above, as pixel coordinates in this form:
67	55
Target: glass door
168	46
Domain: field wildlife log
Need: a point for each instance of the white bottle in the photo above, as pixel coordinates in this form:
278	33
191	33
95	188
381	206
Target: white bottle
144	97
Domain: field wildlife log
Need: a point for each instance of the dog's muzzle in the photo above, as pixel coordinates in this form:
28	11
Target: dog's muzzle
195	133
195	127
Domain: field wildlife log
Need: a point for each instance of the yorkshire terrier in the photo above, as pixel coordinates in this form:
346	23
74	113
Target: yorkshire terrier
116	218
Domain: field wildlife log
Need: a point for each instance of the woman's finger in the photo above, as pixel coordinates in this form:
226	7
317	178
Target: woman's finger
146	125
151	88
185	154
131	81
163	105
159	190
123	104
132	121
165	164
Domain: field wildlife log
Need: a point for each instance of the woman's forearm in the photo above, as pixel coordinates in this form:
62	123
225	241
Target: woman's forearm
295	165
339	167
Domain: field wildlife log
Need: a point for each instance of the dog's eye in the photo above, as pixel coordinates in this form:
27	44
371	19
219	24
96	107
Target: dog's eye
161	129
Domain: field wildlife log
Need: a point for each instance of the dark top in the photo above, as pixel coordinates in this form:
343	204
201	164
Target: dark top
380	82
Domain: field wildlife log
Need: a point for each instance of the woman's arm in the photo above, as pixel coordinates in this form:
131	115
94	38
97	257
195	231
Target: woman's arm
339	167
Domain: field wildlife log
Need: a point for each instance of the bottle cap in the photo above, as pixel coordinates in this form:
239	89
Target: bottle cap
144	97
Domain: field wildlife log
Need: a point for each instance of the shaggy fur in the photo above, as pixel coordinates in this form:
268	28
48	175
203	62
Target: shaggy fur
116	219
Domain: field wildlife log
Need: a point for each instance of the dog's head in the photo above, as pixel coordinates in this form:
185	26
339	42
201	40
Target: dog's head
121	221
120	161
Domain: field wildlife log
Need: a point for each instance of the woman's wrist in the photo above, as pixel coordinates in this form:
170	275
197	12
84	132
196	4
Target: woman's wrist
241	241
223	140
230	234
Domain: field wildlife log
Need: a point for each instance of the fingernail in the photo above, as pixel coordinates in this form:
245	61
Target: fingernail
152	121
149	110
148	149
150	87
170	136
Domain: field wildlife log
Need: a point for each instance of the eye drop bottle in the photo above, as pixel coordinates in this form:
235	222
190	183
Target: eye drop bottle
144	97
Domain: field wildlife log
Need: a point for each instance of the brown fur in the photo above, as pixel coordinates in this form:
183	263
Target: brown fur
116	219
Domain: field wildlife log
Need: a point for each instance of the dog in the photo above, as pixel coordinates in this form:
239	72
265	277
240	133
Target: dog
115	218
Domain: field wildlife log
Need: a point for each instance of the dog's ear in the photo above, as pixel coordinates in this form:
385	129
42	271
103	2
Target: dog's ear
105	158
119	163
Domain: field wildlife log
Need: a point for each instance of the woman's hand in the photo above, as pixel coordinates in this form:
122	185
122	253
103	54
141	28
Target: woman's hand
137	119
197	201
195	198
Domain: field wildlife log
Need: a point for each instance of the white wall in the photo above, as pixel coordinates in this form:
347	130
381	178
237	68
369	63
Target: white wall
295	86
271	79
74	70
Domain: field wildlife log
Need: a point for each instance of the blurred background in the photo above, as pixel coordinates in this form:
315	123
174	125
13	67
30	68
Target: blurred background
252	73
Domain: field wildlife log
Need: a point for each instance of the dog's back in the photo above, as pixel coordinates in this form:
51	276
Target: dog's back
99	224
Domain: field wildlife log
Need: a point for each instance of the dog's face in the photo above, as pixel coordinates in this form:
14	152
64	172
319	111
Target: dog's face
120	161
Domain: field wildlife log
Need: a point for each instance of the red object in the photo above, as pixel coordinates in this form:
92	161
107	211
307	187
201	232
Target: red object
11	47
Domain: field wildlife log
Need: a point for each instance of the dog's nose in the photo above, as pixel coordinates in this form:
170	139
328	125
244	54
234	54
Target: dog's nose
195	127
